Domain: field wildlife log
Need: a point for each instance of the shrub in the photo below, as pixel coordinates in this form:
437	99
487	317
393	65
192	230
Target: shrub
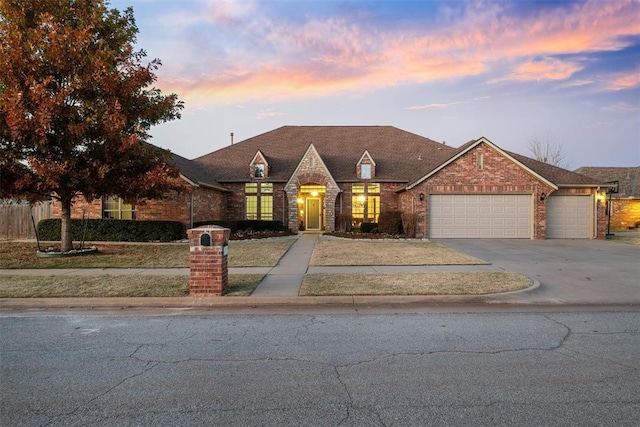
245	224
409	223
344	222
390	222
114	230
369	227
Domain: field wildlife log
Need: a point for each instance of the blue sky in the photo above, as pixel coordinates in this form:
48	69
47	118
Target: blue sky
566	71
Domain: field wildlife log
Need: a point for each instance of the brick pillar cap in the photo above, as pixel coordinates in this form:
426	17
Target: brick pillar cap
208	228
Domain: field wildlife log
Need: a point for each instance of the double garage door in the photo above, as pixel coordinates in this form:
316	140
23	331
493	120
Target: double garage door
497	216
485	216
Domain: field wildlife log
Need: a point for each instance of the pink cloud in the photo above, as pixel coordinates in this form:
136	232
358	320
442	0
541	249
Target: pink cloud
331	55
625	81
546	69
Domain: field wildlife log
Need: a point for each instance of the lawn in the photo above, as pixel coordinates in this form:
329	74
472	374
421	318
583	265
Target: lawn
254	253
331	251
478	283
113	286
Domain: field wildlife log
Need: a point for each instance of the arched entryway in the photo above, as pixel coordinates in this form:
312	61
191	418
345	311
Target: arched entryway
311	206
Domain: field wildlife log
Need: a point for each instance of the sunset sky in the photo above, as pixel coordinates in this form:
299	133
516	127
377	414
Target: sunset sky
566	71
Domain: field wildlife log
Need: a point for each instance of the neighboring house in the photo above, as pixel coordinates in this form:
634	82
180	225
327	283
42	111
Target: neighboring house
202	200
329	177
625	203
320	176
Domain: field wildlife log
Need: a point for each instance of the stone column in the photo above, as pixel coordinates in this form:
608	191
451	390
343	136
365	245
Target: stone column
208	250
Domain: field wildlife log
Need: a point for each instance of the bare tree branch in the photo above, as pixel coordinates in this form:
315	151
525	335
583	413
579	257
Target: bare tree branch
547	151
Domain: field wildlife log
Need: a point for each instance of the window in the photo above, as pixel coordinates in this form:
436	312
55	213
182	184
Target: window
116	208
310	162
365	171
259	200
480	161
365	203
258	171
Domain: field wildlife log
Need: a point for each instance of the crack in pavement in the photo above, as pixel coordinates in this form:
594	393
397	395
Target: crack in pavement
148	366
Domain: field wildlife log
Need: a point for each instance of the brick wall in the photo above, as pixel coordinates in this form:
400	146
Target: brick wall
208	204
498	175
625	213
236	201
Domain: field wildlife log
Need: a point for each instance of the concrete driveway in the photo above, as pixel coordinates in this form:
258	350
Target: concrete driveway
569	271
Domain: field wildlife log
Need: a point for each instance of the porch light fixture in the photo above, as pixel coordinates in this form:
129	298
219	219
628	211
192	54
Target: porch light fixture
601	197
421	197
314	193
543	196
300	201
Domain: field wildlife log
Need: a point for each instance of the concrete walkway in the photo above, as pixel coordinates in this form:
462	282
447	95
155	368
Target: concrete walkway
284	279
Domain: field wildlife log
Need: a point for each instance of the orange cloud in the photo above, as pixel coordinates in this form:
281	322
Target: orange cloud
625	81
332	55
546	69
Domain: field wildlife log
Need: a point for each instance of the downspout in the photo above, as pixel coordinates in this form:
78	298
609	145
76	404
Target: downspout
191	211
595	214
284	198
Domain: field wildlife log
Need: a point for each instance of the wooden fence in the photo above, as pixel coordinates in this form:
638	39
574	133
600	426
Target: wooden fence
15	219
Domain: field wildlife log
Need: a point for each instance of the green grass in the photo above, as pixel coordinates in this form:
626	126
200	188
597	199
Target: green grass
113	286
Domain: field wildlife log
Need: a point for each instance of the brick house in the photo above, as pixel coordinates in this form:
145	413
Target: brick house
321	176
328	177
625	202
202	199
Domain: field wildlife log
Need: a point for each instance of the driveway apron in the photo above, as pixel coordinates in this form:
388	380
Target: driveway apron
284	279
570	271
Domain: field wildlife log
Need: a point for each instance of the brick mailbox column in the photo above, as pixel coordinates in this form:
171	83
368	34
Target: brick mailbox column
208	249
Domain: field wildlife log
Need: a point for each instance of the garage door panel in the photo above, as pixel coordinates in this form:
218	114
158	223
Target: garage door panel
480	216
568	217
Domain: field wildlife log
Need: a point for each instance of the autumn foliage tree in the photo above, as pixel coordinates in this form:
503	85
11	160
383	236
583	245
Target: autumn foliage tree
76	106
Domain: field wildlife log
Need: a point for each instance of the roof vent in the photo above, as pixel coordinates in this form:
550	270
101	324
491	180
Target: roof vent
231	138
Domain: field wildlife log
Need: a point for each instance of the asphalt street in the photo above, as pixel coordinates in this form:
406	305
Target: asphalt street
191	368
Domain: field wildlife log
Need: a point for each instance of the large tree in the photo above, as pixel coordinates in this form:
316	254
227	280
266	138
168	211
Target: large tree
76	105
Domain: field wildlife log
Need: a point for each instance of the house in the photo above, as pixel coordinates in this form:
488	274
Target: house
202	199
625	197
321	178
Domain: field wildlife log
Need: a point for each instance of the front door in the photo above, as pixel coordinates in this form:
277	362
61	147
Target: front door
313	214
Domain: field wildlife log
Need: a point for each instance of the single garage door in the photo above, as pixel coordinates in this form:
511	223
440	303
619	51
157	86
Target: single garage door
569	217
480	216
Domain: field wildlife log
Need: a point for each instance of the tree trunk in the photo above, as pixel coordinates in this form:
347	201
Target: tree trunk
65	227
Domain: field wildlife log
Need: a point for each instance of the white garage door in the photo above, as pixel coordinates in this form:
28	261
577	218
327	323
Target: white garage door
480	216
569	217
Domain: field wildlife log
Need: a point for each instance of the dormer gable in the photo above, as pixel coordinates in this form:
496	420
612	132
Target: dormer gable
259	167
366	167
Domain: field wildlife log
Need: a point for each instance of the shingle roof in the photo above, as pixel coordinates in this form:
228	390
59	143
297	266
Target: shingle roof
559	176
400	156
628	177
194	172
